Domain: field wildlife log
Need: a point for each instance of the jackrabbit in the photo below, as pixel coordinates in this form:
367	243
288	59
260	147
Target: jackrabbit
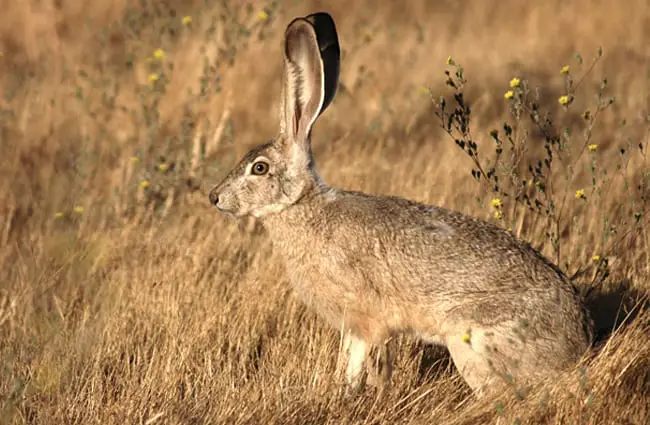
378	266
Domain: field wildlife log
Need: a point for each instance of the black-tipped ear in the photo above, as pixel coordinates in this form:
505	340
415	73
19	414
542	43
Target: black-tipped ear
311	56
328	44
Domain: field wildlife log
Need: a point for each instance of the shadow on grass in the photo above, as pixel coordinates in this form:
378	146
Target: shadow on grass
614	308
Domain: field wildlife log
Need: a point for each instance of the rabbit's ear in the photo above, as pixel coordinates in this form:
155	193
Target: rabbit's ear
311	56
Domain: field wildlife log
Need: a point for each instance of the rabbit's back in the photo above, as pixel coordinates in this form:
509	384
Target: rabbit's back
410	238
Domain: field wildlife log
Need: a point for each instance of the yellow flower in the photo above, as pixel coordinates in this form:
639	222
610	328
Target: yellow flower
163	167
466	337
564	100
580	194
592	147
152	78
515	82
262	15
595	258
496	203
58	214
498	215
159	54
509	228
144	184
509	94
79	209
135	159
565	69
186	20
450	60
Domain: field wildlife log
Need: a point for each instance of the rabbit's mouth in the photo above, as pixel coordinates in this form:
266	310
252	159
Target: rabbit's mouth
228	213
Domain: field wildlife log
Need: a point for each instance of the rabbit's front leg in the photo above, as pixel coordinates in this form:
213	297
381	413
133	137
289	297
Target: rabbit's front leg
355	350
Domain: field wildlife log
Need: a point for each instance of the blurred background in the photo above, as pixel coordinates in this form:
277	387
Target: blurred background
124	296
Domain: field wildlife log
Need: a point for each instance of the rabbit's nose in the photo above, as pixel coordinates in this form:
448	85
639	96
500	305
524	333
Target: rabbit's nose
214	197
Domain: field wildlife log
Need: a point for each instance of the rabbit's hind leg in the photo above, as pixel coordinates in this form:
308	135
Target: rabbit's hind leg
491	359
472	360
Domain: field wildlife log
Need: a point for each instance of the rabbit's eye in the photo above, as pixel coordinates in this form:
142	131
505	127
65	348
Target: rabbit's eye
260	168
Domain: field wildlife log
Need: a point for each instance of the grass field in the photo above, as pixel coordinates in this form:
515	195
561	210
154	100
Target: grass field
125	298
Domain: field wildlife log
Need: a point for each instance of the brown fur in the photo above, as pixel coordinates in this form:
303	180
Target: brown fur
377	266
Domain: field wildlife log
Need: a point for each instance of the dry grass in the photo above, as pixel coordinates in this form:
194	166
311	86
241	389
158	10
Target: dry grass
125	299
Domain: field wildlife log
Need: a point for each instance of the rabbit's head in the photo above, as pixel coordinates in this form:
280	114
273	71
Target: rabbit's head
277	174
